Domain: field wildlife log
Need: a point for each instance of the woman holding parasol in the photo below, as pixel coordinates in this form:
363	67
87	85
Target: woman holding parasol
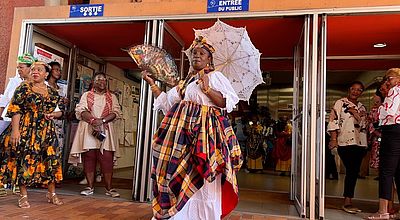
195	152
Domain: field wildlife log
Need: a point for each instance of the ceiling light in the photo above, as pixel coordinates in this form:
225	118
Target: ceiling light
380	45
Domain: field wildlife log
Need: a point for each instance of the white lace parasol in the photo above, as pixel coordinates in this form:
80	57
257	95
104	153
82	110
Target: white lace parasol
235	56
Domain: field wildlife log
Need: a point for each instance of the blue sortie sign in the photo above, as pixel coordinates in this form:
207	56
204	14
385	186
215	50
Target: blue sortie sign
227	5
93	10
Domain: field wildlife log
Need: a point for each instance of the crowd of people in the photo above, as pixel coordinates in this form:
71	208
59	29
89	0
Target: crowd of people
265	143
32	110
196	151
352	132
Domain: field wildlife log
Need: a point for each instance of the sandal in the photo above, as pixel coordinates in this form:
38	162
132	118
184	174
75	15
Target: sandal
350	209
53	199
394	215
23	202
112	192
379	216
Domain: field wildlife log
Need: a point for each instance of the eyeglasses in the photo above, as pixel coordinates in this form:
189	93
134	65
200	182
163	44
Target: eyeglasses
100	79
355	89
388	78
39	69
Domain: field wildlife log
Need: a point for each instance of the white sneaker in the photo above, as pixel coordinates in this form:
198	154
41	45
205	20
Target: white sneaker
98	178
83	182
87	191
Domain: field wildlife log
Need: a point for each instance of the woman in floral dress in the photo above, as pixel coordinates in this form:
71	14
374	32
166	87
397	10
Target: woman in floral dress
29	146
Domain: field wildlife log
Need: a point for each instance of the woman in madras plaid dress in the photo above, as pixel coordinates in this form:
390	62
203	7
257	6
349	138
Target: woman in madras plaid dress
195	152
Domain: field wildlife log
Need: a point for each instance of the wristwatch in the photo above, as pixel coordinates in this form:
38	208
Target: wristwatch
103	120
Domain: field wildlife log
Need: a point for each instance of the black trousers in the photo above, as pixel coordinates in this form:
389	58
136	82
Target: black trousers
351	156
330	164
389	161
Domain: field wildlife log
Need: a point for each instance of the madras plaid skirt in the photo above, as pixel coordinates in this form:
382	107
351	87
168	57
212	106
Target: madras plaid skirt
194	143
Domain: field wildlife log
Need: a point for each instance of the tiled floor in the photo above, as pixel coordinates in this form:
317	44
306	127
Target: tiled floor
367	189
77	207
268	193
262	196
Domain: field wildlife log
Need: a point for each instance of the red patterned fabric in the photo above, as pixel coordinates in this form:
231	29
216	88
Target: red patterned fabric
374	135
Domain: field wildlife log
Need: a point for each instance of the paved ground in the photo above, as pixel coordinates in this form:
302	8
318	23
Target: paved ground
78	207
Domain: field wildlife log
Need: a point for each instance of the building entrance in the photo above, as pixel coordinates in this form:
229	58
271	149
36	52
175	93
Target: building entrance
286	65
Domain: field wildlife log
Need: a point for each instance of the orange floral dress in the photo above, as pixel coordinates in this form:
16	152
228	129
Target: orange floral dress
36	159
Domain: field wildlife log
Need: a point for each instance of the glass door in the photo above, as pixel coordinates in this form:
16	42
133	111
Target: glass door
300	121
141	180
308	181
159	34
321	124
317	118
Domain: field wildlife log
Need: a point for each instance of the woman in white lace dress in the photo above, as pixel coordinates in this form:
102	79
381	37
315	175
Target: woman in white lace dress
195	152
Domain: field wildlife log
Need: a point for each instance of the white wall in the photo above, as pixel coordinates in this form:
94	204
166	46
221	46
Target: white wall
127	150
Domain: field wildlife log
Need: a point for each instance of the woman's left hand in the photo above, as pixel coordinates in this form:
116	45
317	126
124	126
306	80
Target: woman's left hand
64	101
97	122
49	116
355	113
204	82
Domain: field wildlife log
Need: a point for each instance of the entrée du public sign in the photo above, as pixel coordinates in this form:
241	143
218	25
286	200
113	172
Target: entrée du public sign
87	10
227	5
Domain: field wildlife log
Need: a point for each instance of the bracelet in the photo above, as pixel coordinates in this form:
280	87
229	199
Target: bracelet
207	90
91	121
154	88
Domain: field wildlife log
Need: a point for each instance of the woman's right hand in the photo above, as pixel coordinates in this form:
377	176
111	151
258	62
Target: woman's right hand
15	137
97	122
147	78
333	144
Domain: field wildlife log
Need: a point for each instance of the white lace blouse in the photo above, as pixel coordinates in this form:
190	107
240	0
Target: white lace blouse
217	81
